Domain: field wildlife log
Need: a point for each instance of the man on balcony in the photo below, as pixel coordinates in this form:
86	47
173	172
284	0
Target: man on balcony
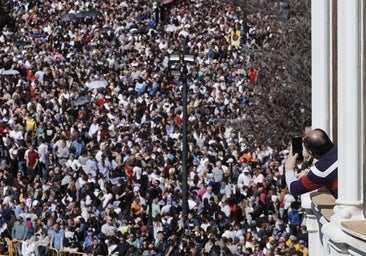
324	171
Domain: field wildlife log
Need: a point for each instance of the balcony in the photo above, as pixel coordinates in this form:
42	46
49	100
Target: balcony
330	234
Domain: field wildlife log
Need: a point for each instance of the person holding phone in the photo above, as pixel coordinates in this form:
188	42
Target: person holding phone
324	171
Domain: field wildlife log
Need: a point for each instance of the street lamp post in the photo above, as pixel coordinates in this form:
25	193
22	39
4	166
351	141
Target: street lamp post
156	7
178	67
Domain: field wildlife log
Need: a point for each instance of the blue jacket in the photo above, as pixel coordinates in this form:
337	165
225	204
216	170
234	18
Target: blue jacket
324	173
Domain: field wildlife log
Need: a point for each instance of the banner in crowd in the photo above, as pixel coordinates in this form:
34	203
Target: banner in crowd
235	38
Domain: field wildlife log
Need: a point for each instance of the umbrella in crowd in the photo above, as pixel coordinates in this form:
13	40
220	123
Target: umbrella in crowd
38	35
21	43
106	29
68	17
142	30
93	13
81	14
58	56
97	84
80	101
10	72
89	13
183	33
171	28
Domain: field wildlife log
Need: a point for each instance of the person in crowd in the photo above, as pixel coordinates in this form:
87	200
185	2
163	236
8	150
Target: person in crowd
57	237
132	240
95	248
29	246
49	133
122	247
19	232
302	248
43	243
32	158
244	178
89	238
72	245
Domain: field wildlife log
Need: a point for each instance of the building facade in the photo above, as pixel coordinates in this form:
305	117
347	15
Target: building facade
338	227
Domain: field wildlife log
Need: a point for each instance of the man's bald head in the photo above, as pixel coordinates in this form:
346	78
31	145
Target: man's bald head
317	143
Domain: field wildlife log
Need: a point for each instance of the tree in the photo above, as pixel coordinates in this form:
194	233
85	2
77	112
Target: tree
280	48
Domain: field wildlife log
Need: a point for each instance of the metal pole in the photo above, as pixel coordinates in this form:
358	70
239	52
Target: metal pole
184	132
145	190
157	12
185	146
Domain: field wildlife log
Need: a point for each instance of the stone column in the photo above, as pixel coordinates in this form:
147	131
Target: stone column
320	64
320	69
349	103
349	205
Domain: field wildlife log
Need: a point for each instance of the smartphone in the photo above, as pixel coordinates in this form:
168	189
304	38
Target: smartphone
297	147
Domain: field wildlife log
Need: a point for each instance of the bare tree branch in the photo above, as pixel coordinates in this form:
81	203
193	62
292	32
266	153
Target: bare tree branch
282	94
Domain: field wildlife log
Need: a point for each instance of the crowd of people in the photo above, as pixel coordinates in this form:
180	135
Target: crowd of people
91	128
